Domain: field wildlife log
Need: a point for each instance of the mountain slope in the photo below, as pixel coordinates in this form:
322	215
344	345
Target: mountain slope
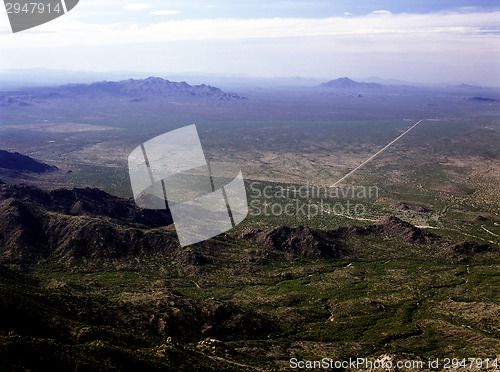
55	329
73	224
87	202
20	101
22	163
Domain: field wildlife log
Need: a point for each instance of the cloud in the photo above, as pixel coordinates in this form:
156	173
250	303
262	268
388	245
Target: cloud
384	12
164	12
452	42
392	35
137	6
76	30
437	29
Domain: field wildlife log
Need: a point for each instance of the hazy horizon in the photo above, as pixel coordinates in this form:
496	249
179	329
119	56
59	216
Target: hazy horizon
46	77
424	42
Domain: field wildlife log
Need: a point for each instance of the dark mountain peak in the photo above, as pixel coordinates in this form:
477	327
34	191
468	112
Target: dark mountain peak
469	86
482	99
345	80
311	242
465	251
298	240
347	83
22	163
395	227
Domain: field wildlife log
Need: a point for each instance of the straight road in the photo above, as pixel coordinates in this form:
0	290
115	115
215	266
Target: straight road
378	153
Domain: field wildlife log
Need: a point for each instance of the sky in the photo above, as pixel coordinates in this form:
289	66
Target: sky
420	41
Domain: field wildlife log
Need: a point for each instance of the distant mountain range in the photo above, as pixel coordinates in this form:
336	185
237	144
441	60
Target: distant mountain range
135	90
346	83
152	86
157	90
22	163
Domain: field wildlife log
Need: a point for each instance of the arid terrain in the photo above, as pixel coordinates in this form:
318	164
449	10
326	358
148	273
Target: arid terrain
399	260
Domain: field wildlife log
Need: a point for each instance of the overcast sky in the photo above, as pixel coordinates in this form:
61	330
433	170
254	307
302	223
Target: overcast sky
418	40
